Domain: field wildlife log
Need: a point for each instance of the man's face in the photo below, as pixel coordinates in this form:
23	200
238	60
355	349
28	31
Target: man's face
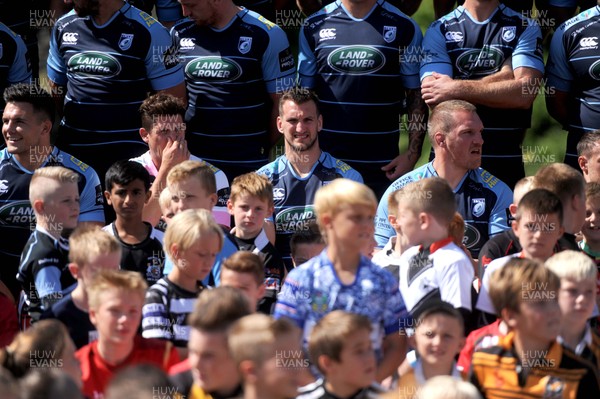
464	143
164	128
590	165
300	125
24	131
85	8
202	12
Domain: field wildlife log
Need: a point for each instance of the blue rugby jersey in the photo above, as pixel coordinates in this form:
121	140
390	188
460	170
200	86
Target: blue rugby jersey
574	67
360	69
293	196
463	48
108	71
229	74
482	199
15	65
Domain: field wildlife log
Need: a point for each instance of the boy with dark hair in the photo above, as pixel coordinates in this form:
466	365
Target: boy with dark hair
528	361
250	203
340	347
127	185
245	271
538	225
439	337
306	244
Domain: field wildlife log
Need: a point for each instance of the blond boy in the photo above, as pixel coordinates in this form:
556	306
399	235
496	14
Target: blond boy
43	272
439	337
192	241
268	355
245	271
250	203
340	346
91	249
192	185
577	298
528	361
434	267
341	278
115	305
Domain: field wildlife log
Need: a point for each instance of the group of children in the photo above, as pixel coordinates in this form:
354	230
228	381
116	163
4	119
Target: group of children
338	324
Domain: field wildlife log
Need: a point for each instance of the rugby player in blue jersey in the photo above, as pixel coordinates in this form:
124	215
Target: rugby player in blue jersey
491	56
236	63
26	125
362	59
109	55
15	65
455	132
302	170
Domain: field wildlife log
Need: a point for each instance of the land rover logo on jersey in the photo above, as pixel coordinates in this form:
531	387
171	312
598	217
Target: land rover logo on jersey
480	61
125	41
471	237
294	218
389	33
18	213
477	206
356	60
213	68
595	70
509	33
244	44
94	64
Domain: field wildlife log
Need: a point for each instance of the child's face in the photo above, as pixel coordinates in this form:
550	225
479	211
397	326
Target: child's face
190	194
591	226
118	315
167	212
277	376
353	226
244	282
213	368
249	213
439	338
109	260
304	252
409	224
357	365
128	200
197	261
576	300
539	317
61	210
538	234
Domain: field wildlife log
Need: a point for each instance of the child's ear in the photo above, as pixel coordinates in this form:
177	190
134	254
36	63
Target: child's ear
74	269
325	363
38	206
512	208
247	369
92	313
213	200
392	219
326	219
107	196
230	207
175	251
424	219
509	317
